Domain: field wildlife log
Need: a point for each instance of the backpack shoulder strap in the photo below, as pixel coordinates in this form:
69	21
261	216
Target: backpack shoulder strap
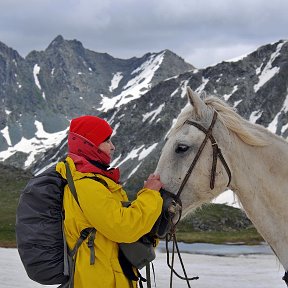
71	183
95	178
85	232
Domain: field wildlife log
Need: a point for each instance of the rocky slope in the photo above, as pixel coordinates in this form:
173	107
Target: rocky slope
41	93
141	111
256	84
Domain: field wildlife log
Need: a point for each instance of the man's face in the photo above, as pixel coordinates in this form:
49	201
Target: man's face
107	147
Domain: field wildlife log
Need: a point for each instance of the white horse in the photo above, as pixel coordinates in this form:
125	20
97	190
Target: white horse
257	159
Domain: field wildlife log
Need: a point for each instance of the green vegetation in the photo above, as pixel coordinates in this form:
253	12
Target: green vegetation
218	223
11	183
212	223
248	236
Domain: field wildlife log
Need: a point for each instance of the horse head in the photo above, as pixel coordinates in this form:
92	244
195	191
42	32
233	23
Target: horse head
182	147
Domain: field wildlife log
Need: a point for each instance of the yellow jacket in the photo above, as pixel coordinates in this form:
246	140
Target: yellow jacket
102	208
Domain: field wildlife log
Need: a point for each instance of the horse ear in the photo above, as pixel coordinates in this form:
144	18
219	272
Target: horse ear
195	100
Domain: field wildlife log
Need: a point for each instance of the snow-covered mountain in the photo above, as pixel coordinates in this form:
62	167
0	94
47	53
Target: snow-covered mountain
256	84
41	93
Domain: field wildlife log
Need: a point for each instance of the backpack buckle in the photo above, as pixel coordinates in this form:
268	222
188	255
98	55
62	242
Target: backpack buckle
85	232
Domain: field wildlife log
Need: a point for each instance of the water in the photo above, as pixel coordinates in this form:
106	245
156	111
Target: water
219	249
223	266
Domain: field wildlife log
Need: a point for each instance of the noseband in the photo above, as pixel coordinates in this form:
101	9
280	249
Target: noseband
216	153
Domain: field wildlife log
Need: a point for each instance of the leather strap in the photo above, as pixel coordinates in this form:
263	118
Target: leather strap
216	153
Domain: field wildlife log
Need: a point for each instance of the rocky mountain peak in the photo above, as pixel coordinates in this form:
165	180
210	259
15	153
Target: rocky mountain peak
8	52
56	43
64	81
59	44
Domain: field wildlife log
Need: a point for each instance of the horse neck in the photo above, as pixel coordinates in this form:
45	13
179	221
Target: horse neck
260	182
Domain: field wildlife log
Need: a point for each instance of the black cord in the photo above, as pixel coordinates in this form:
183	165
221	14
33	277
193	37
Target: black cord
171	266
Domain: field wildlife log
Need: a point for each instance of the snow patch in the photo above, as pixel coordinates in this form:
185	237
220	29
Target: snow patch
115	129
5	133
184	88
137	86
259	69
227	96
202	86
174	93
140	153
36	71
115	161
115	81
229	198
153	114
236	103
268	71
255	115
39	144
134	170
273	125
132	155
146	151
284	128
108	103
112	118
285	105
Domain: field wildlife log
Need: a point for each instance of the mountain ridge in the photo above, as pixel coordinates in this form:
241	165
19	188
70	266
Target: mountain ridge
64	81
255	84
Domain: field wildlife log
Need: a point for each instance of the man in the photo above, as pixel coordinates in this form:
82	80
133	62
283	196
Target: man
89	154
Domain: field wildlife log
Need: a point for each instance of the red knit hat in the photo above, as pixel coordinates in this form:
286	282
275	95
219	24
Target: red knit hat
92	128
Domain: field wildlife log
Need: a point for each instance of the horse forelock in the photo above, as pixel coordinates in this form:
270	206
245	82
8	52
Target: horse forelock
249	133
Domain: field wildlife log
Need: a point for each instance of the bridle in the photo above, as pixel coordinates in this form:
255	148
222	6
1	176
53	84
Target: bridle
216	154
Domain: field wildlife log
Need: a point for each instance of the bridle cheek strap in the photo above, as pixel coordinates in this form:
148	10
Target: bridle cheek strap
216	153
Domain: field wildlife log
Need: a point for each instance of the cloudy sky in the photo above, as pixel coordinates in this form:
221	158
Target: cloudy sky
203	32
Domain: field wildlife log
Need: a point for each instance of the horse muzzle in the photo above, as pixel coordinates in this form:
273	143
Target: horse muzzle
170	215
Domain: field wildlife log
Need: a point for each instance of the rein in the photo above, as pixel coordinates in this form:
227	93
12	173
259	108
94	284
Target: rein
171	265
216	154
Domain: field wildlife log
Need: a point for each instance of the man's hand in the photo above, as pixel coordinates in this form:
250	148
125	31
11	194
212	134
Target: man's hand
153	182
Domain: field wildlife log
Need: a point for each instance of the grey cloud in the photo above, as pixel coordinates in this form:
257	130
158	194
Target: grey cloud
202	32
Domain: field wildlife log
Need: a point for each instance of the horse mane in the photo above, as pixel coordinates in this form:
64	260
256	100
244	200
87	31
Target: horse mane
251	134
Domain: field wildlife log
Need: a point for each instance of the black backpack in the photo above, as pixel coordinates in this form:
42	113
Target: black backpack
39	229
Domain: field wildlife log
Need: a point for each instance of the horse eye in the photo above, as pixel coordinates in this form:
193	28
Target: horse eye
181	148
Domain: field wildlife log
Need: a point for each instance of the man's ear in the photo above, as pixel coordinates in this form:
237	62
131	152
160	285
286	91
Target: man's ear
196	102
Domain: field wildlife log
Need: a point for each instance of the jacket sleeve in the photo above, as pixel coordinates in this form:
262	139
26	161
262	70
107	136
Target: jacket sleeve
117	223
